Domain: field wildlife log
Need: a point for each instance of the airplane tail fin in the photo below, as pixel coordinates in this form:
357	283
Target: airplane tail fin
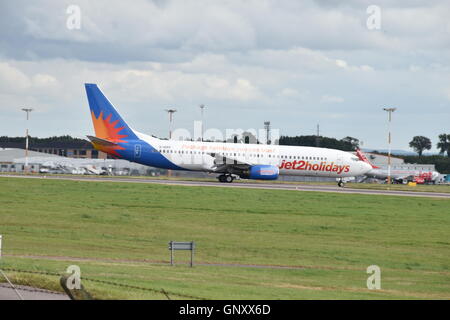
362	157
108	124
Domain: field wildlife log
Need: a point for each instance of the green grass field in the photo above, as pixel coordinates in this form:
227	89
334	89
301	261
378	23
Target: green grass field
334	237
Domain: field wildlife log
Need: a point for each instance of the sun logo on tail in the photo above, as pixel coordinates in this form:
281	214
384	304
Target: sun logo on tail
106	129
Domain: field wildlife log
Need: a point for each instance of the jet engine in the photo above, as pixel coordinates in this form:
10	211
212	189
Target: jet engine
261	172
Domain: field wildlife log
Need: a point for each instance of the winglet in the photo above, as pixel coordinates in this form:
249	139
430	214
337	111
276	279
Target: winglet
362	157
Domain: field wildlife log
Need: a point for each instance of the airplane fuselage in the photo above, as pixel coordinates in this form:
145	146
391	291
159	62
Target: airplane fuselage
250	161
398	174
204	156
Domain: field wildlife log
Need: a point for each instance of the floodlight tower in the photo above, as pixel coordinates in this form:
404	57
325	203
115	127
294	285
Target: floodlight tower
202	109
267	128
170	112
318	136
389	111
27	110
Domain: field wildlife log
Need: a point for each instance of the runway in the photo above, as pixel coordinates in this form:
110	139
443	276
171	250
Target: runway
28	293
242	184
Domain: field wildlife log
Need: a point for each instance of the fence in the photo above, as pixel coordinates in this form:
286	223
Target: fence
163	292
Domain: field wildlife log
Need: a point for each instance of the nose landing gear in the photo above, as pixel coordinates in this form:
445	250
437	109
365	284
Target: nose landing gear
341	183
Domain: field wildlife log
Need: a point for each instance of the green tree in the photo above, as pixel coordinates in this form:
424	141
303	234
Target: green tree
444	144
419	144
442	163
353	142
325	142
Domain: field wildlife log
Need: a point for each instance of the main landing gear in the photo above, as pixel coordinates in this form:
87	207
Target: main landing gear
341	183
226	178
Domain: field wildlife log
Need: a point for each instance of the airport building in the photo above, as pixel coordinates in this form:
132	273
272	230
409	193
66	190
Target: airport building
13	160
381	161
8	159
72	149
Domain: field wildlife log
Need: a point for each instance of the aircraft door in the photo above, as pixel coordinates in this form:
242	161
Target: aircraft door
137	151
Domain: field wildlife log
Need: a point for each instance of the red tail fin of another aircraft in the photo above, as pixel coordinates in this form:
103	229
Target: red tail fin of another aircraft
362	157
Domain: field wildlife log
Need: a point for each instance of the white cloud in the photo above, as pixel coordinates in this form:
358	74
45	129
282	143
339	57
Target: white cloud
243	89
247	60
44	80
331	99
181	30
447	93
289	92
12	79
341	63
344	65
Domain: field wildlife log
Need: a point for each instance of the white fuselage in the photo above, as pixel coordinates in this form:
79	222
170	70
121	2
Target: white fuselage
382	174
291	160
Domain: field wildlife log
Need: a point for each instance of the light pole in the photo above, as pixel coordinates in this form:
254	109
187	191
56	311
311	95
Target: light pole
170	112
27	110
267	127
389	111
318	136
202	108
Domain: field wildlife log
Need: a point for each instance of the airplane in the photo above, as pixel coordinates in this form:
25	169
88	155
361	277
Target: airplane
228	160
398	176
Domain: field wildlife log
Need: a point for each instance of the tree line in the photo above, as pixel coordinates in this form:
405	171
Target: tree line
420	143
56	141
345	144
441	162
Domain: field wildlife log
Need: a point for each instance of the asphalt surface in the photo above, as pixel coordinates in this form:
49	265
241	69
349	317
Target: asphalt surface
240	184
29	293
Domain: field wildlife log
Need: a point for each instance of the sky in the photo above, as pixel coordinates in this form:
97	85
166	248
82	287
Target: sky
294	63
